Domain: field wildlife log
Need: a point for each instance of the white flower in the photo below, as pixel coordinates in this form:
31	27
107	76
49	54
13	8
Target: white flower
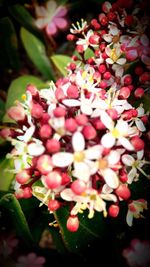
82	158
134	165
134	210
85	41
79	27
115	55
118	132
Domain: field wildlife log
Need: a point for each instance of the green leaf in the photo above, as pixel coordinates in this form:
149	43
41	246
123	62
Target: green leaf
25	19
88	53
6	177
18	87
8	45
2	108
12	206
89	230
146	102
61	61
37	53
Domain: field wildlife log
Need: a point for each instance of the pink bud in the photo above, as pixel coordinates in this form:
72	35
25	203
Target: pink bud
95	24
113	113
106	6
45	131
52	145
59	94
27	192
65	178
72	91
78	187
123	192
53	180
89	132
72	223
22	177
124	93
94	39
16	113
138	143
53	205
37	111
102	68
113	211
59	112
107	75
71	125
32	89
81	119
139	92
70	37
44	164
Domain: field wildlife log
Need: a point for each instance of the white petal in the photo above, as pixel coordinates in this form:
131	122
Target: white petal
109	61
121	61
140	125
140	154
62	159
82	171
86	108
106	189
128	160
144	40
129	218
106	120
108	140
125	143
123	127
51	6
28	134
78	142
67	194
35	149
113	157
107	38
94	152
140	111
71	102
110	178
41	22
96	113
131	175
110	197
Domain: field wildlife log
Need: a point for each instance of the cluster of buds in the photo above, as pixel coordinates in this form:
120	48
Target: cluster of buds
80	142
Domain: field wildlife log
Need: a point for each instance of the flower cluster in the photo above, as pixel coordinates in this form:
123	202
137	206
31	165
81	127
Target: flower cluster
80	141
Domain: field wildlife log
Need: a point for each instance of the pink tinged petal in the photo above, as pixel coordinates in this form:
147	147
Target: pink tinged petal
41	22
108	140
82	171
106	189
109	61
35	149
144	40
31	256
94	152
114	30
78	142
61	23
145	59
121	61
129	218
41	11
71	102
62	11
110	197
106	120
40	261
110	178
107	38
51	28
125	143
140	125
128	160
67	194
96	113
62	159
51	6
113	157
131	175
140	111
140	154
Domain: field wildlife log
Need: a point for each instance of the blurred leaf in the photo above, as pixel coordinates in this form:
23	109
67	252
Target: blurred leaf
8	45
12	206
89	230
2	108
146	102
18	87
61	61
88	53
6	177
37	53
25	19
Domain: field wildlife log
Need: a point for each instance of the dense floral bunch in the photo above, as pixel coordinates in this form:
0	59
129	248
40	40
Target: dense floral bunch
80	141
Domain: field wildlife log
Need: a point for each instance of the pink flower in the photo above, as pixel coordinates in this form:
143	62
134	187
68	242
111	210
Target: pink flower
138	254
51	17
7	244
30	260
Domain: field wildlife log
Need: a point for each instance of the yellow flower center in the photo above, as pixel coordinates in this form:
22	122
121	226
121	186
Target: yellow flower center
115	132
103	164
114	55
79	156
23	97
93	197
